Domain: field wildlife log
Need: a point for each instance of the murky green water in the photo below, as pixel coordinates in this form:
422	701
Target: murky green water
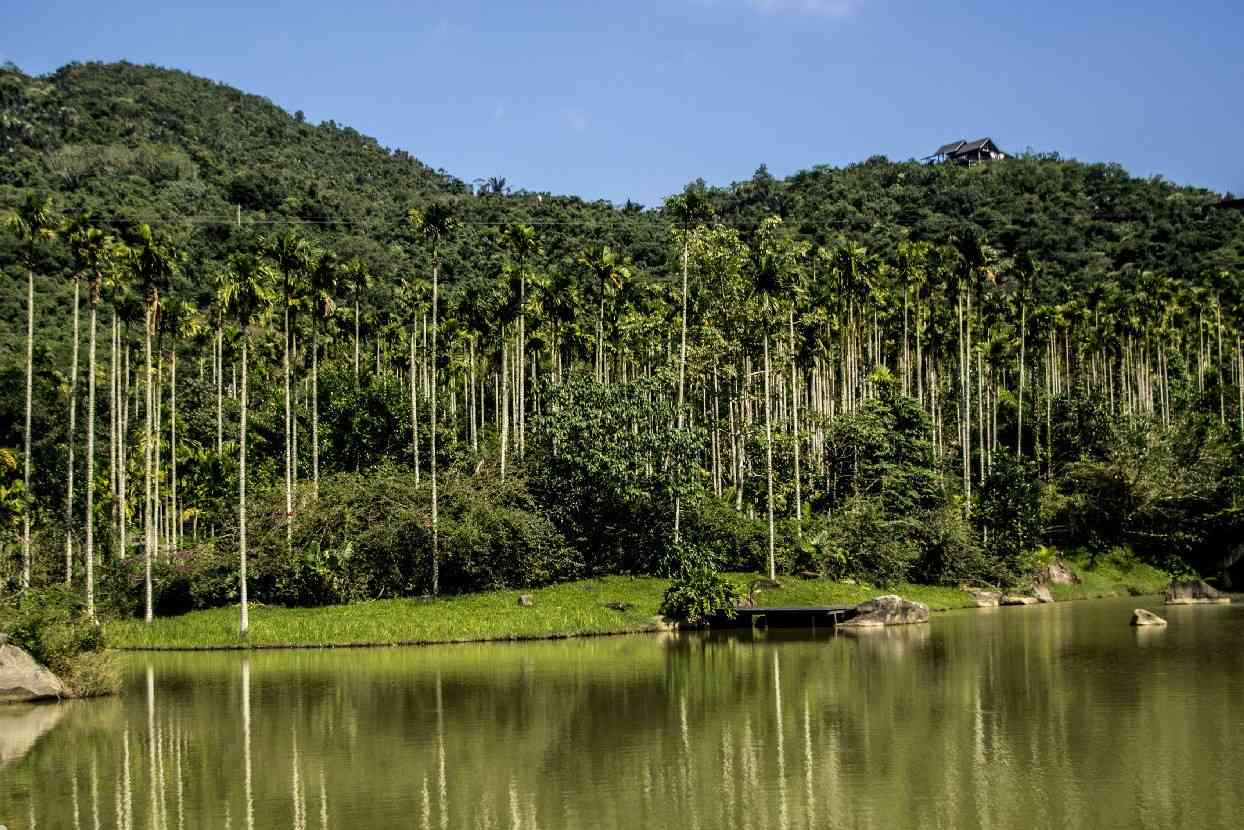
1055	716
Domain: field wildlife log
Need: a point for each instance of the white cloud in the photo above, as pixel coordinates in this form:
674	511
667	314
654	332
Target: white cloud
576	119
499	112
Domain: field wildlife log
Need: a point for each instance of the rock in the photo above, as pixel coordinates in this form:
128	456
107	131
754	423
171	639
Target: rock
1042	593
1193	592
620	606
1142	617
526	600
663	623
888	610
1057	573
1009	600
22	679
984	598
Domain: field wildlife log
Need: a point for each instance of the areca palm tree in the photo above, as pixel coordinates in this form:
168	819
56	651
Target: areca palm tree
605	267
524	246
436	224
294	258
323	284
34	223
774	262
153	263
96	252
246	290
357	277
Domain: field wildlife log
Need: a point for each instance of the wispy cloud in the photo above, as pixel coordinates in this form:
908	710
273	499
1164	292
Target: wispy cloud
576	119
828	8
498	113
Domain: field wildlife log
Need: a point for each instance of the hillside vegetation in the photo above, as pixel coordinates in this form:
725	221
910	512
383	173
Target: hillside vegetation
889	371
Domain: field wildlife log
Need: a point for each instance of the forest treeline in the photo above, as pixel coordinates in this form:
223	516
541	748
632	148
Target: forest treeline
246	353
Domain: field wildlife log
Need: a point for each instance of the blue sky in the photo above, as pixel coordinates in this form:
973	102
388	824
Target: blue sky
633	99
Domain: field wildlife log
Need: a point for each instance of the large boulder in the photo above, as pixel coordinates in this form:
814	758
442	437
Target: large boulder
1012	600
1193	592
22	679
888	610
1143	617
1042	593
1057	573
984	598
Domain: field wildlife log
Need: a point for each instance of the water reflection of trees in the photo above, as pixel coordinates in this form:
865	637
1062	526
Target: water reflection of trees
1043	717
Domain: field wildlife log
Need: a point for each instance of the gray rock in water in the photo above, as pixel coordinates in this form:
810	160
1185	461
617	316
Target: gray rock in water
888	610
22	679
985	598
1010	600
1042	593
1142	617
526	600
1193	592
1057	573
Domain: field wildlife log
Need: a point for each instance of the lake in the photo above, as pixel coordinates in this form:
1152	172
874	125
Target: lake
1057	716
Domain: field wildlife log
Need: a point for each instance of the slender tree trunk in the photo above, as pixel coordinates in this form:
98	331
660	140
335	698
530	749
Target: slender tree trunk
436	564
794	408
315	406
356	338
769	462
289	453
245	623
175	529
1023	338
30	368
414	408
73	423
504	403
89	549
220	390
148	440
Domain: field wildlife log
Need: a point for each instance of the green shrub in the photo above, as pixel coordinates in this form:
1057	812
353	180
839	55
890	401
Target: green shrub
50	625
867	545
698	591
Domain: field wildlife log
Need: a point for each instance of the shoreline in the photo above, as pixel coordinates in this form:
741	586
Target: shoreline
565	611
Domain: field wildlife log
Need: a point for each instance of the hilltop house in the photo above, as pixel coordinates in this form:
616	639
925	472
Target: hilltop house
967	152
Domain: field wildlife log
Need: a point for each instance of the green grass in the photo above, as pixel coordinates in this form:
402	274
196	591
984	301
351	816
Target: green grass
568	610
572	609
1114	574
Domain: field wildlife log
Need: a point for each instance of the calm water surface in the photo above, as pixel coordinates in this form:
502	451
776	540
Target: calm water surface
1054	716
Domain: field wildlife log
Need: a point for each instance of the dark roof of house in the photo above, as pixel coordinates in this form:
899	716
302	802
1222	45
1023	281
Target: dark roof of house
972	146
1230	204
946	149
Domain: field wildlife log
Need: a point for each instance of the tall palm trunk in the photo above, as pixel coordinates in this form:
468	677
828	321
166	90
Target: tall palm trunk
30	367
289	455
73	422
436	564
220	388
148	439
356	337
504	403
1023	339
246	621
315	406
89	549
794	405
414	399
769	462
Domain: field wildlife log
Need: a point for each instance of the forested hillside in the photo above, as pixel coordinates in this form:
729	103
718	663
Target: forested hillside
888	371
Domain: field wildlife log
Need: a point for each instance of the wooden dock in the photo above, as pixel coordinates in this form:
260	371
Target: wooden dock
788	616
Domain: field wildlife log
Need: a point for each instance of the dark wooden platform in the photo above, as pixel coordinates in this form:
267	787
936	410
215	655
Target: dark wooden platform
789	616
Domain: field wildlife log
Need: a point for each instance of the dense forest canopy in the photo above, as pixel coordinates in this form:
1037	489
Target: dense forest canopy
908	370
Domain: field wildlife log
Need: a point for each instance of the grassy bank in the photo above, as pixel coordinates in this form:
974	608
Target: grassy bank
568	610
